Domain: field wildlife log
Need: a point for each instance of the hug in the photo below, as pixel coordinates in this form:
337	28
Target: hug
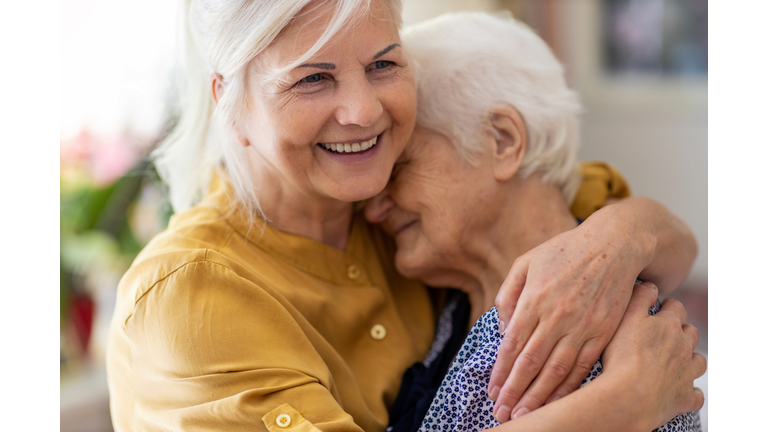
273	302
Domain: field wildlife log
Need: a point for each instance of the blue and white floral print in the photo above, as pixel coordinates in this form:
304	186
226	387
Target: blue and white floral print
462	404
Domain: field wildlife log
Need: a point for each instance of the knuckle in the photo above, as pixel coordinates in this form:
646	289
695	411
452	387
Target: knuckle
509	394
510	343
694	332
583	366
698	401
532	400
559	369
530	360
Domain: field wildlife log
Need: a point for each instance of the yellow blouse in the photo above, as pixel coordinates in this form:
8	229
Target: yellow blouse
221	327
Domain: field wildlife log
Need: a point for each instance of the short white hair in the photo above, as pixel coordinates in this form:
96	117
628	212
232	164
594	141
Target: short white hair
223	36
467	63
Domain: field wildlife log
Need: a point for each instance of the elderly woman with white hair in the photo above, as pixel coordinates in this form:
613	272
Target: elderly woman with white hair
269	303
483	188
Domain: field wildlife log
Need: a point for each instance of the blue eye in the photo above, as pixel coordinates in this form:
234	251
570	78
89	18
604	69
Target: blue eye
382	64
312	78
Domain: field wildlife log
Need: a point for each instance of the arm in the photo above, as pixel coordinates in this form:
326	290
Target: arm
213	351
649	368
670	249
571	293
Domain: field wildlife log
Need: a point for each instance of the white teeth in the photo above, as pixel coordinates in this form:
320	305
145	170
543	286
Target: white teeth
351	148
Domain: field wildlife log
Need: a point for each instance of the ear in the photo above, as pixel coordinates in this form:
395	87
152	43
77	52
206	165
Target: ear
510	141
217	89
217	86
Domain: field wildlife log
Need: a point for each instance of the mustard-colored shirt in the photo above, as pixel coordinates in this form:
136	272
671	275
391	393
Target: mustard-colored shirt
599	181
221	327
218	330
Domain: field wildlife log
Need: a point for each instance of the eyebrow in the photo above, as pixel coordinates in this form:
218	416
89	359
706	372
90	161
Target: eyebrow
386	50
325	66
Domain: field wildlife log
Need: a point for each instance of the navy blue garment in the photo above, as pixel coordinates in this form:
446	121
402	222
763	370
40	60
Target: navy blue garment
421	381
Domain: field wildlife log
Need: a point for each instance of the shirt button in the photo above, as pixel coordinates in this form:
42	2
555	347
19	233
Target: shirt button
378	332
283	420
353	272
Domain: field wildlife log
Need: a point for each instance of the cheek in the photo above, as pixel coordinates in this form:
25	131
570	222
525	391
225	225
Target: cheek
400	102
287	123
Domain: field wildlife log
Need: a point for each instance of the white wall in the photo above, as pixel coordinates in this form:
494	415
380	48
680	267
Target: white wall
653	129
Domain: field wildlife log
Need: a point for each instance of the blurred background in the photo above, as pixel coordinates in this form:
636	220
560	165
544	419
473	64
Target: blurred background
640	67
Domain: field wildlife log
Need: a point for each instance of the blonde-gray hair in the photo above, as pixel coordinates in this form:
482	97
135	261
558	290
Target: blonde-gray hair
223	36
467	63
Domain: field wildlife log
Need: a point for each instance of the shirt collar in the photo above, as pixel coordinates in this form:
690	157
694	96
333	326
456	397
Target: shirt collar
304	253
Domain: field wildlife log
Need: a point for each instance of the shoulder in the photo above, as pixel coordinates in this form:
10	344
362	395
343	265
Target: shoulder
192	261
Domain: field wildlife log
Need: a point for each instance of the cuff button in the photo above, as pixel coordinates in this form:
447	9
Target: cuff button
283	420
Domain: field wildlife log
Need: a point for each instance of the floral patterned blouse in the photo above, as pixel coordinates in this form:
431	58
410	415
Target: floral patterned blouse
461	403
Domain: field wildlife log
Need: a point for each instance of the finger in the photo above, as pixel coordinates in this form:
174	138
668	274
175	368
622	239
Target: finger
513	342
585	360
692	333
509	293
695	400
556	369
699	365
674	307
643	297
527	365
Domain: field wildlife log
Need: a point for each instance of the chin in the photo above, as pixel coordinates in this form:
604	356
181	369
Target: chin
408	265
360	189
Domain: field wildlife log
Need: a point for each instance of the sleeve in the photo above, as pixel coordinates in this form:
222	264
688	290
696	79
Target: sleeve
213	351
600	181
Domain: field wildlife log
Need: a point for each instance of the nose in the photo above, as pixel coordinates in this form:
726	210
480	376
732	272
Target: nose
377	208
360	104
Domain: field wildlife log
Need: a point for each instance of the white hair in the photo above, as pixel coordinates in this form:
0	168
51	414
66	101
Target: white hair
470	62
223	36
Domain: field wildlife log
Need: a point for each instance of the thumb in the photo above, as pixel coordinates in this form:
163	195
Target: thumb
644	296
510	291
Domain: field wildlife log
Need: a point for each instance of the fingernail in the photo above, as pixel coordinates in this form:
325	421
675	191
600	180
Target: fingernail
502	414
494	393
552	399
649	285
502	327
521	412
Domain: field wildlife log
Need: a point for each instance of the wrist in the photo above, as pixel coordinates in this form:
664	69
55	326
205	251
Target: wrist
622	223
626	396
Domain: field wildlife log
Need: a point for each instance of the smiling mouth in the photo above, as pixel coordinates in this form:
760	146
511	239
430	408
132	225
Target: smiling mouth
357	147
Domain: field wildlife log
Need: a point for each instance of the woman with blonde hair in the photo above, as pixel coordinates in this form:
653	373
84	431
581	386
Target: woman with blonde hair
269	303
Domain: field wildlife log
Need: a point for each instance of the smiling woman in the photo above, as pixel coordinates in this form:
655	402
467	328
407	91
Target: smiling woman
293	111
268	303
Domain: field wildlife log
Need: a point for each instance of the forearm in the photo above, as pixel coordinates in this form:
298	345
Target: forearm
604	405
661	247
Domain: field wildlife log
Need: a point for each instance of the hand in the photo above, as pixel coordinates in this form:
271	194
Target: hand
654	356
565	298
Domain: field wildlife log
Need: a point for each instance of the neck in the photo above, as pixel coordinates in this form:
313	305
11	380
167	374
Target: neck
289	209
531	213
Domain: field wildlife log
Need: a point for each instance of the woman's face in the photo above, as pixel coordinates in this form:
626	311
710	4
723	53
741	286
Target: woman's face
334	126
436	206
